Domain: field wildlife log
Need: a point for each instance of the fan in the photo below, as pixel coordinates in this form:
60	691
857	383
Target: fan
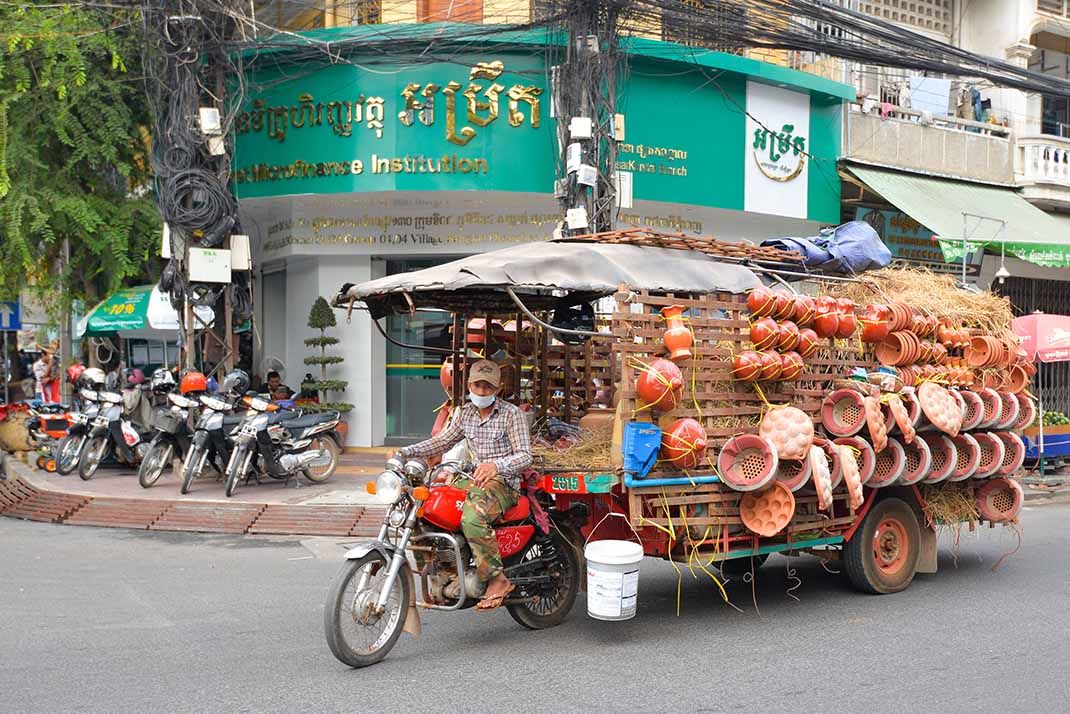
271	363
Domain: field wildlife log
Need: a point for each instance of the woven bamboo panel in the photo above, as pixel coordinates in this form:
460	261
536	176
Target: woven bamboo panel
725	407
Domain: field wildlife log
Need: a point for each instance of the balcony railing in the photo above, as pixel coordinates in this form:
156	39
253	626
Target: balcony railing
1043	159
942	145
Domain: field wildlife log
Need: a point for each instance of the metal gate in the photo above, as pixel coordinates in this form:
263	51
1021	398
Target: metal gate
1030	295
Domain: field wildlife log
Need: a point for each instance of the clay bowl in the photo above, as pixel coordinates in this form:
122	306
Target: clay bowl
979	352
894	350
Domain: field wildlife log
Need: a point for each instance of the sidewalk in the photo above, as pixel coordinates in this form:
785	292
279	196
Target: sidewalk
113	497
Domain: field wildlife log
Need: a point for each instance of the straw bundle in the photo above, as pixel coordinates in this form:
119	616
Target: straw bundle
931	293
950	503
590	450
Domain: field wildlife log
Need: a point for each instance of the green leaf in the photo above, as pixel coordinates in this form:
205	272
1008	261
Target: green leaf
322	341
321	315
325	359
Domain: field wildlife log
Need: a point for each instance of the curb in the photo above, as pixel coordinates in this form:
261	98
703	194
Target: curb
22	496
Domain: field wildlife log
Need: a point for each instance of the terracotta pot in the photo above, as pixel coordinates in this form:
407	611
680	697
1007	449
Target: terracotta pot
925	353
791	365
677	337
684	444
944	456
1013	452
1000	500
747	462
760	302
863	453
771	366
783	305
919	459
805	310
769	512
848	323
888	465
969	456
445	375
787	336
843	412
764	333
661	384
1027	412
939	353
808	342
895	350
747	366
826	324
979	353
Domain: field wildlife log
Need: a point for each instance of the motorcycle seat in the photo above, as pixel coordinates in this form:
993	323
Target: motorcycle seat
306	420
519	512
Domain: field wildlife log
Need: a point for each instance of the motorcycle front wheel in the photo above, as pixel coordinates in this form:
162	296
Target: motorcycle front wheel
549	605
323	468
356	635
237	469
68	451
191	467
154	463
94	452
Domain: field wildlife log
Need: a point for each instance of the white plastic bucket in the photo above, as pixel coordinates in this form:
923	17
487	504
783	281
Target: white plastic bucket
612	578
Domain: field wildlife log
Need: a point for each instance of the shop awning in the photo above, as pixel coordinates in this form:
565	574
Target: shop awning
940	204
136	313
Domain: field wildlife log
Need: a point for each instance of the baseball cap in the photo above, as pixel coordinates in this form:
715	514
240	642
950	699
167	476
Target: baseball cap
485	371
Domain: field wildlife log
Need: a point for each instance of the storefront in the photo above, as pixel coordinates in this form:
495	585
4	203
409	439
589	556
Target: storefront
347	172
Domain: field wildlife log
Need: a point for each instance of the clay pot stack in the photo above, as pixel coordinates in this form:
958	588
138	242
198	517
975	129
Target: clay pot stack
781	334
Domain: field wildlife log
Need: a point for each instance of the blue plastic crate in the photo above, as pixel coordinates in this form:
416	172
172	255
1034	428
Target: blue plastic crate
640	445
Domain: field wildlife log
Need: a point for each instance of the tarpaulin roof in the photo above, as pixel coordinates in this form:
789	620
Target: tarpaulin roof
1045	337
939	205
136	313
598	269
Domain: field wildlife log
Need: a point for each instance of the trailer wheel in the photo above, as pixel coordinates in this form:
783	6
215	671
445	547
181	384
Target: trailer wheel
882	557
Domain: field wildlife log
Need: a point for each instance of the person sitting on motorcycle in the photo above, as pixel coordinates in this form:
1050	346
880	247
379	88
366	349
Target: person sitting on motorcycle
498	435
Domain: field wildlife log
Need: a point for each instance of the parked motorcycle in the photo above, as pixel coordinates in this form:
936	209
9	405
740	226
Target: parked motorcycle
209	437
287	443
372	598
68	450
112	433
172	438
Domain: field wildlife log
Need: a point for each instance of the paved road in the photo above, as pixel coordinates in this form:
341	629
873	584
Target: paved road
122	621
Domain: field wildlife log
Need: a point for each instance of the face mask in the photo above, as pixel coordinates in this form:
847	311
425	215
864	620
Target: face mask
481	402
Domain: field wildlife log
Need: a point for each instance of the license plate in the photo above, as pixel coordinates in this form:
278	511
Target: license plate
100	421
248	430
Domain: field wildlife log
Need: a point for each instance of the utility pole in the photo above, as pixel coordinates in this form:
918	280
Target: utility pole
585	97
66	348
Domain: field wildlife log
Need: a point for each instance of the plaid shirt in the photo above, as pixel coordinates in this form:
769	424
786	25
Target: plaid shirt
502	438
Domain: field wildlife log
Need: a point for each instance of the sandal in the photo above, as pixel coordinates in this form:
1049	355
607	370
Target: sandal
493	602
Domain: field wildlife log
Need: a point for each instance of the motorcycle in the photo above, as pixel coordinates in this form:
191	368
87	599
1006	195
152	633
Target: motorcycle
111	432
287	442
372	600
209	437
69	448
172	437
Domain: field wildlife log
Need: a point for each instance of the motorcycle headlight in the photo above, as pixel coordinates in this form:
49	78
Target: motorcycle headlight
388	486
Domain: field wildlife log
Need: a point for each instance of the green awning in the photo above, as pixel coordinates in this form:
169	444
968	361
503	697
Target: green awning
940	204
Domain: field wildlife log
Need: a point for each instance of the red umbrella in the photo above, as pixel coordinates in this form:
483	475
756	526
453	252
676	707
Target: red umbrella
1046	338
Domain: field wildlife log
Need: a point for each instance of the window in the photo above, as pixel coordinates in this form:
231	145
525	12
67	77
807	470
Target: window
720	17
929	15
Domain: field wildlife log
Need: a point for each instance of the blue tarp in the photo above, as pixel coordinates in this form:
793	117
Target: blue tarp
851	248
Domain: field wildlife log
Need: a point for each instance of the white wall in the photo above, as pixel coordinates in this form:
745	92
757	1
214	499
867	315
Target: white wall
362	346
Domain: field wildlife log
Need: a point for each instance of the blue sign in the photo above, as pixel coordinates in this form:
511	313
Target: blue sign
9	316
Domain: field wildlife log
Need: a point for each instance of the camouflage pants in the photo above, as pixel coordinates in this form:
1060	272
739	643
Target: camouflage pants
482	507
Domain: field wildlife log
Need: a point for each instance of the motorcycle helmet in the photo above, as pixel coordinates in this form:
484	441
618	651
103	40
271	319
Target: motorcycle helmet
74	372
163	381
132	377
94	377
193	382
236	382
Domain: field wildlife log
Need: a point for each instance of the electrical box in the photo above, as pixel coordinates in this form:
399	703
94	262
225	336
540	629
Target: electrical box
209	265
618	127
580	128
560	188
587	175
573	157
576	218
210	123
217	146
623	182
240	256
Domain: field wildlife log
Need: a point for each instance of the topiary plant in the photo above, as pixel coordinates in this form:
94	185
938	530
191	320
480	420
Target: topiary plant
320	318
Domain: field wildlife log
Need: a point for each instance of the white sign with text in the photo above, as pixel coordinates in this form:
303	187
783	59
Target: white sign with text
776	159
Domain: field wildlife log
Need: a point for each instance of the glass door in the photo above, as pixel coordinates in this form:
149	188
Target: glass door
413	392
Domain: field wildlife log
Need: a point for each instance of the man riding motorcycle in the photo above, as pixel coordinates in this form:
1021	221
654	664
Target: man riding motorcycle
498	435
